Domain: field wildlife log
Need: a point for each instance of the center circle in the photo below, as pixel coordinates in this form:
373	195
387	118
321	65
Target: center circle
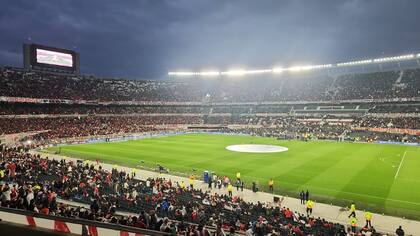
256	148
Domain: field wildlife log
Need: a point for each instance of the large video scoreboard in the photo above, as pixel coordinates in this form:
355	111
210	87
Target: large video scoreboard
45	58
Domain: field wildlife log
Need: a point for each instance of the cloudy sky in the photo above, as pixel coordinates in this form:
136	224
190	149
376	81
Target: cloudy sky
148	38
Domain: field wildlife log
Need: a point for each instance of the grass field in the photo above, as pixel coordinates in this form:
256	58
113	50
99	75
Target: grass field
381	178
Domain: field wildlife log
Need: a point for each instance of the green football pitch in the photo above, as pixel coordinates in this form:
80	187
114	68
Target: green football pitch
380	178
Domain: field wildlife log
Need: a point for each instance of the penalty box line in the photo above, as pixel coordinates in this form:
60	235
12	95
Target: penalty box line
399	167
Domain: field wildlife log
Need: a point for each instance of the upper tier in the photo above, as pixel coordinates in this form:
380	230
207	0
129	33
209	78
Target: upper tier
379	85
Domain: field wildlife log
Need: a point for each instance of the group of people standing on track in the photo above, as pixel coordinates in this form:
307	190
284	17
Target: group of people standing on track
219	181
354	219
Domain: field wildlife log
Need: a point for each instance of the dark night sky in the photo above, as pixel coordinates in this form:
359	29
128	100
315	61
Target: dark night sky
145	39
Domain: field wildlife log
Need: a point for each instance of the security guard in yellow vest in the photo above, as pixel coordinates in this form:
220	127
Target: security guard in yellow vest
353	224
182	185
309	207
238	176
230	188
368	217
352	210
271	185
133	173
191	181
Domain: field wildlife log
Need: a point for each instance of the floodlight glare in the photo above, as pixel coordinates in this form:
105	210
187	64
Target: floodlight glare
183	73
209	73
258	71
244	72
234	72
396	58
295	68
276	70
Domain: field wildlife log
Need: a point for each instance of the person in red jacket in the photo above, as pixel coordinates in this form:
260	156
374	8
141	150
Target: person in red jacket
12	170
288	214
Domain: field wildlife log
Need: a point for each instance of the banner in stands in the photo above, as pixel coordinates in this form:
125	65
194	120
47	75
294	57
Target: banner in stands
399	143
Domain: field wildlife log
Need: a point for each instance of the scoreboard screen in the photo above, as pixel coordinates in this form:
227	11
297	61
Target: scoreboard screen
54	58
45	58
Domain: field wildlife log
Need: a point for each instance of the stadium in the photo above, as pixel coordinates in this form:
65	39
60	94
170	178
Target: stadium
303	149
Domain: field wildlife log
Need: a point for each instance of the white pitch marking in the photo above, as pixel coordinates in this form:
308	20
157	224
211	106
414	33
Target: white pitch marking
399	167
256	148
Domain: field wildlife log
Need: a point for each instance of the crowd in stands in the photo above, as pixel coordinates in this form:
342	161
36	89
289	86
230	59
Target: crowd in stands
70	127
397	122
36	184
352	129
67	109
396	108
379	85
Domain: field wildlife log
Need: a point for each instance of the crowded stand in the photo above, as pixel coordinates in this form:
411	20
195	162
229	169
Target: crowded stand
349	128
72	121
37	184
65	127
397	122
379	85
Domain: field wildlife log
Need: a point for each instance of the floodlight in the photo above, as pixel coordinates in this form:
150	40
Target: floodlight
295	68
209	73
182	73
258	71
234	72
241	72
277	70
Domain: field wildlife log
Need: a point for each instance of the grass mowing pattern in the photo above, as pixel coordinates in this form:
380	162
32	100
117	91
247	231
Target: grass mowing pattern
334	172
